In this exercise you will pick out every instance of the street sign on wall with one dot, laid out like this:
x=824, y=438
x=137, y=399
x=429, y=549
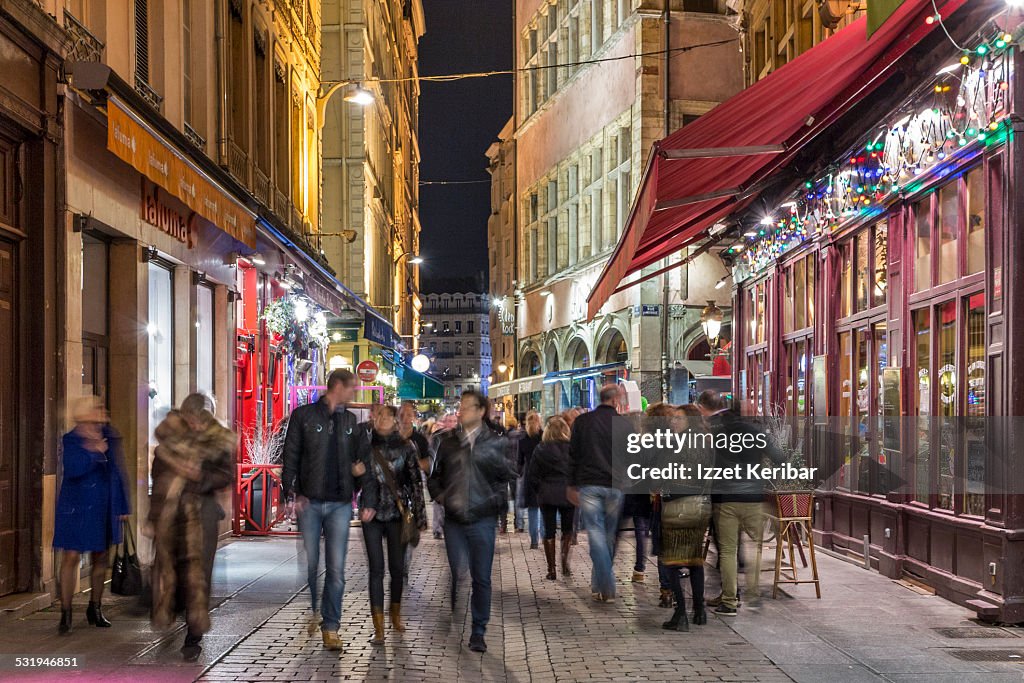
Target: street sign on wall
x=367, y=371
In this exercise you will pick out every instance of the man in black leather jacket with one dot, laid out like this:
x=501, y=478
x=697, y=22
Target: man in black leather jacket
x=323, y=469
x=469, y=478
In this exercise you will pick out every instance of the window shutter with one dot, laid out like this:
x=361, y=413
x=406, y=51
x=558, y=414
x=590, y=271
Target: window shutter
x=142, y=39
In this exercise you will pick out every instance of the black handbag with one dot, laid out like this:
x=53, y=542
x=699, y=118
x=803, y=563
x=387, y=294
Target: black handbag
x=686, y=512
x=410, y=532
x=126, y=577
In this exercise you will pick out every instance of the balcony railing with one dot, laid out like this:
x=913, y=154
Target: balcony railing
x=85, y=47
x=281, y=205
x=145, y=90
x=261, y=186
x=238, y=163
x=195, y=138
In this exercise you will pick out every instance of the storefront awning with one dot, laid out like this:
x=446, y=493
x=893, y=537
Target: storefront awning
x=417, y=386
x=722, y=161
x=524, y=385
x=577, y=373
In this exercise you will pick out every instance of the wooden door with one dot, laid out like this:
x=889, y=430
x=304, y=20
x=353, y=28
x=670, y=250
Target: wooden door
x=8, y=418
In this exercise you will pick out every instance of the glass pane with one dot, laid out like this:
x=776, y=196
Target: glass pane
x=861, y=279
x=975, y=221
x=94, y=286
x=845, y=398
x=760, y=337
x=948, y=399
x=845, y=307
x=160, y=328
x=974, y=498
x=787, y=301
x=810, y=290
x=922, y=245
x=880, y=350
x=790, y=400
x=801, y=378
x=922, y=400
x=949, y=218
x=204, y=340
x=863, y=412
x=881, y=263
x=800, y=295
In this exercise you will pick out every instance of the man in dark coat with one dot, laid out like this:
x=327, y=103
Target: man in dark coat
x=469, y=478
x=323, y=469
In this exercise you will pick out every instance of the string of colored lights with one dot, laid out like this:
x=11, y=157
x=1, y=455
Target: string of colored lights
x=967, y=105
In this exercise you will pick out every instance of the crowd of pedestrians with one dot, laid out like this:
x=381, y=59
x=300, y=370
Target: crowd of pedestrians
x=554, y=476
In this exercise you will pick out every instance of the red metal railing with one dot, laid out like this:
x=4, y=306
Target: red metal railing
x=259, y=508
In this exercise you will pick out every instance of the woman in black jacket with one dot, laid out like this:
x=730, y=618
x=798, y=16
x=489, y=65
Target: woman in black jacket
x=527, y=444
x=548, y=478
x=394, y=487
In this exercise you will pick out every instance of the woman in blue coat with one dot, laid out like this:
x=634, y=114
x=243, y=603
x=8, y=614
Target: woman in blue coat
x=92, y=503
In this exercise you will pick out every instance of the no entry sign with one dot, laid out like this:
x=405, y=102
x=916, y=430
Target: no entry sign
x=367, y=371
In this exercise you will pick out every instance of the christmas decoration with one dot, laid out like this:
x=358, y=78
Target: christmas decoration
x=298, y=323
x=963, y=108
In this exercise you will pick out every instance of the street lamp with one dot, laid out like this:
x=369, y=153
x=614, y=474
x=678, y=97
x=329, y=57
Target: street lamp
x=356, y=95
x=502, y=367
x=415, y=260
x=711, y=322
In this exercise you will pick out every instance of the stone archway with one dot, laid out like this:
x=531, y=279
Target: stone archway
x=529, y=364
x=577, y=354
x=611, y=348
x=551, y=359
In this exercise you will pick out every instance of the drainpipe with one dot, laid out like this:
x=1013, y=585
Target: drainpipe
x=666, y=319
x=222, y=94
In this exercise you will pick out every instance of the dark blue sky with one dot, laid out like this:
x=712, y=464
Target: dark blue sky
x=458, y=121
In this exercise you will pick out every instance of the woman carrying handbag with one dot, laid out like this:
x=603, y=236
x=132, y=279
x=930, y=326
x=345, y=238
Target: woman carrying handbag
x=681, y=520
x=92, y=505
x=394, y=490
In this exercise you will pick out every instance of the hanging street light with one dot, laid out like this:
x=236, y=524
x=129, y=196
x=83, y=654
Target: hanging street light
x=711, y=322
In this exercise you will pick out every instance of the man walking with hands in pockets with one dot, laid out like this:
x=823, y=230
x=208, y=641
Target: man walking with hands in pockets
x=322, y=468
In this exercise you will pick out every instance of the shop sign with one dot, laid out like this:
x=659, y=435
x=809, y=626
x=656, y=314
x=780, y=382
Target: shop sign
x=507, y=317
x=321, y=296
x=345, y=334
x=646, y=310
x=133, y=143
x=366, y=371
x=378, y=331
x=165, y=218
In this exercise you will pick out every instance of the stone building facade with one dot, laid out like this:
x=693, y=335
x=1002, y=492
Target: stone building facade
x=456, y=338
x=577, y=162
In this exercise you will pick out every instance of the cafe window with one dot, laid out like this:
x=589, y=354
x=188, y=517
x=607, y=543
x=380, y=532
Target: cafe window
x=863, y=275
x=950, y=464
x=798, y=297
x=953, y=218
x=757, y=332
x=204, y=339
x=95, y=315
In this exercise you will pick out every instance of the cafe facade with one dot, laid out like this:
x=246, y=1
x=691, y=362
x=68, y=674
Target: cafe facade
x=866, y=197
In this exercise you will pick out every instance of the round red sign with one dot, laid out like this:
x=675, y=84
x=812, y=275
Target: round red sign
x=366, y=371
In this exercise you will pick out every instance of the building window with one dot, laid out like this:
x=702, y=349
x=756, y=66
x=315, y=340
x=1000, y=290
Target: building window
x=470, y=348
x=95, y=315
x=204, y=340
x=469, y=326
x=160, y=331
x=187, y=66
x=458, y=327
x=238, y=85
x=263, y=107
x=551, y=223
x=281, y=112
x=445, y=326
x=458, y=348
x=573, y=214
x=949, y=231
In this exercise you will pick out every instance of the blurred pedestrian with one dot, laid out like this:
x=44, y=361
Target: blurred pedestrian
x=681, y=522
x=436, y=509
x=469, y=478
x=91, y=506
x=590, y=449
x=193, y=462
x=548, y=480
x=323, y=470
x=394, y=490
x=531, y=439
x=737, y=503
x=512, y=434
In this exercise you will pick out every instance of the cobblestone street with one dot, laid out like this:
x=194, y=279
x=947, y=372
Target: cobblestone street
x=865, y=628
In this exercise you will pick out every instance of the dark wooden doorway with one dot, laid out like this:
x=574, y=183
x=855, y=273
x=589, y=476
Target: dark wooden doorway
x=8, y=417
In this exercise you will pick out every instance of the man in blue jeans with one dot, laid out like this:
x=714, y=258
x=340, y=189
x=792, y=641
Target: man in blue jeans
x=590, y=450
x=323, y=470
x=469, y=477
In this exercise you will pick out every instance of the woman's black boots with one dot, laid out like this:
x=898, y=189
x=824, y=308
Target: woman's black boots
x=700, y=617
x=678, y=621
x=94, y=615
x=65, y=622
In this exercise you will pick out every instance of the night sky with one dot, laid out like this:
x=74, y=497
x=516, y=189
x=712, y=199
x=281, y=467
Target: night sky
x=458, y=122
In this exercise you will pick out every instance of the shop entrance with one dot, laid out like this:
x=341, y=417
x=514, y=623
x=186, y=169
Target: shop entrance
x=8, y=419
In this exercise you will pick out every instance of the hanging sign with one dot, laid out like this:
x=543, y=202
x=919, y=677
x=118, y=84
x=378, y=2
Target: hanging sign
x=367, y=371
x=160, y=214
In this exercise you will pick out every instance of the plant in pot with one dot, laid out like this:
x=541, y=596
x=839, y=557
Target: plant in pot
x=793, y=492
x=265, y=447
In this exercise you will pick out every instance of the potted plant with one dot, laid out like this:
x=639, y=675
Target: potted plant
x=792, y=493
x=264, y=447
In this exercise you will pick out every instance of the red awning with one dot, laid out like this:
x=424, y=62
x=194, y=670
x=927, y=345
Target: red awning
x=717, y=164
